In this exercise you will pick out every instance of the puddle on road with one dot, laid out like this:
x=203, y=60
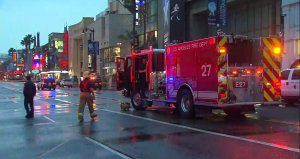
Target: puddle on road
x=142, y=137
x=52, y=108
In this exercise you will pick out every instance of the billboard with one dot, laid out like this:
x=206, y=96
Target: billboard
x=217, y=12
x=36, y=62
x=93, y=47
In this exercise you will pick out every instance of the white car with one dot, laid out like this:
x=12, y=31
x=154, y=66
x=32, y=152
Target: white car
x=290, y=85
x=66, y=82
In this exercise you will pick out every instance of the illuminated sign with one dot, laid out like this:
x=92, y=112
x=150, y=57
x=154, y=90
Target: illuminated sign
x=59, y=45
x=36, y=62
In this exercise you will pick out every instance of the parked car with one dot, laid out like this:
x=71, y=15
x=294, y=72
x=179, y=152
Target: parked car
x=46, y=83
x=66, y=82
x=290, y=85
x=97, y=83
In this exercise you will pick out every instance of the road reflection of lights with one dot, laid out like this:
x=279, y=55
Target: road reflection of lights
x=52, y=106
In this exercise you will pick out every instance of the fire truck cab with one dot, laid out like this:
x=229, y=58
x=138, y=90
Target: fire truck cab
x=232, y=73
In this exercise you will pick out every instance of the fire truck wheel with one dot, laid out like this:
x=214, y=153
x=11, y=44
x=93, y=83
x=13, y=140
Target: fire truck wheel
x=137, y=102
x=185, y=104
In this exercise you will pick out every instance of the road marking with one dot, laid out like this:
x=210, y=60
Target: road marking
x=205, y=131
x=284, y=122
x=107, y=148
x=49, y=119
x=209, y=132
x=54, y=148
x=65, y=101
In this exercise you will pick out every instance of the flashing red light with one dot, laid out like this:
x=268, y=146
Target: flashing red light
x=277, y=85
x=223, y=95
x=248, y=72
x=211, y=41
x=234, y=72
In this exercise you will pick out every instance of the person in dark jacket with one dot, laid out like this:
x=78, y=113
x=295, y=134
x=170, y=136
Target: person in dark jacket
x=29, y=92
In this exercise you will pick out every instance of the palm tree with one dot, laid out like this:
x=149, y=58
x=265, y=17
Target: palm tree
x=11, y=50
x=27, y=41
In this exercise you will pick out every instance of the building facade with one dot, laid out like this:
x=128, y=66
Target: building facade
x=55, y=50
x=78, y=47
x=291, y=16
x=113, y=28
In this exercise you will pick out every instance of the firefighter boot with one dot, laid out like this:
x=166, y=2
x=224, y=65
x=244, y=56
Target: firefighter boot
x=93, y=116
x=80, y=117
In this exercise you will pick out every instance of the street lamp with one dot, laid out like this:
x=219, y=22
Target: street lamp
x=91, y=31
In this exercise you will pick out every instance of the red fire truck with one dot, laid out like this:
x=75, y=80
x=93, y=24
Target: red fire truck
x=232, y=73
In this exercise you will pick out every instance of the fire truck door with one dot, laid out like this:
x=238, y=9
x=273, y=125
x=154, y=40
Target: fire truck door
x=207, y=75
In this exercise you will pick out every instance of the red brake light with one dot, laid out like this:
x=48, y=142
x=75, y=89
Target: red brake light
x=277, y=85
x=248, y=72
x=258, y=72
x=234, y=72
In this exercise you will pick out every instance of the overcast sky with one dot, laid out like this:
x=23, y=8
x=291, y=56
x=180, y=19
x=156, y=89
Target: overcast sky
x=21, y=17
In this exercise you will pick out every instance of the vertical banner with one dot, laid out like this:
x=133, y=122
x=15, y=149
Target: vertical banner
x=174, y=21
x=177, y=21
x=217, y=12
x=222, y=19
x=91, y=49
x=212, y=12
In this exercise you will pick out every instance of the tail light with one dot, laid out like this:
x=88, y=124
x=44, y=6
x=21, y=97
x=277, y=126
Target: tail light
x=277, y=86
x=234, y=72
x=248, y=72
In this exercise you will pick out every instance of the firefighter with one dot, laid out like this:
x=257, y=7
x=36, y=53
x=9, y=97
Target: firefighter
x=86, y=96
x=142, y=77
x=29, y=92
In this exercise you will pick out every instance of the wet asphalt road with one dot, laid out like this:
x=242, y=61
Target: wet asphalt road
x=273, y=132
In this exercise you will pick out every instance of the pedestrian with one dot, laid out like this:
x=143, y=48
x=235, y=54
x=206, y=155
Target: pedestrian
x=29, y=91
x=86, y=96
